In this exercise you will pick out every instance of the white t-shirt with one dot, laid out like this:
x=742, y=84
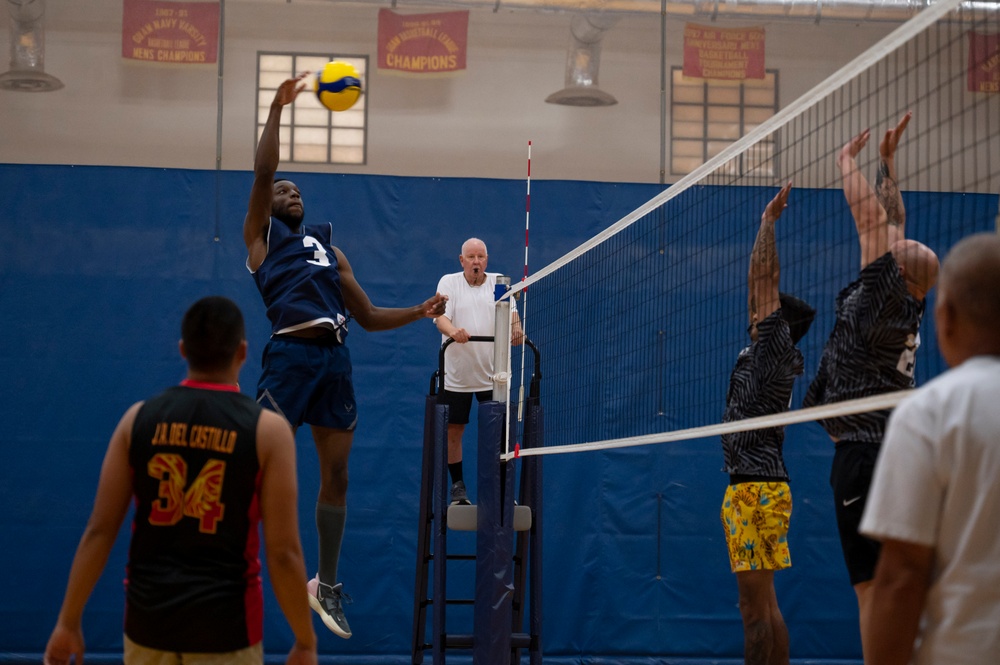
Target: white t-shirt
x=937, y=483
x=468, y=367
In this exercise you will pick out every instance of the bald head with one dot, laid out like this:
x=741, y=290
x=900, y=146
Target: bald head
x=967, y=312
x=919, y=266
x=474, y=244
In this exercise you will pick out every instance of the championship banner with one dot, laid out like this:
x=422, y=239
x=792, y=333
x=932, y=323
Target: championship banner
x=175, y=32
x=984, y=62
x=422, y=43
x=723, y=53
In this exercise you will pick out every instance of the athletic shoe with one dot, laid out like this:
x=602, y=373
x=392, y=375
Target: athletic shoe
x=458, y=495
x=327, y=601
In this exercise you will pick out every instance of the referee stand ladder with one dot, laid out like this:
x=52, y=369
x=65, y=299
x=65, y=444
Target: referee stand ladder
x=508, y=551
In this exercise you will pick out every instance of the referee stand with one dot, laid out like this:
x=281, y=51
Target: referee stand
x=508, y=552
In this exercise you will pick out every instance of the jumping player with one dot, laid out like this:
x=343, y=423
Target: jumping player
x=310, y=292
x=872, y=347
x=757, y=505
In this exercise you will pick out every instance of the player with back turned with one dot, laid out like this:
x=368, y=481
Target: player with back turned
x=204, y=466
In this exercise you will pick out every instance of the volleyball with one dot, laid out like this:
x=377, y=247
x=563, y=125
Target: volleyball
x=337, y=85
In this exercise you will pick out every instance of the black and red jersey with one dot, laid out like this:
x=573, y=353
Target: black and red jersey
x=193, y=582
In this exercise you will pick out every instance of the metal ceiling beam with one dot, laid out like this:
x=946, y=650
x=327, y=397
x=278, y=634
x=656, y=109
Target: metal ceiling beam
x=791, y=10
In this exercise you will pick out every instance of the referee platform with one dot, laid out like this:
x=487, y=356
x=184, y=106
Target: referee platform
x=507, y=556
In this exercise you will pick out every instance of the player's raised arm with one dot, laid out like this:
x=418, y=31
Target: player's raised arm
x=373, y=318
x=764, y=272
x=265, y=165
x=887, y=183
x=869, y=216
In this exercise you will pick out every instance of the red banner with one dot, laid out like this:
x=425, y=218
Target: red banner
x=984, y=62
x=176, y=32
x=723, y=53
x=422, y=43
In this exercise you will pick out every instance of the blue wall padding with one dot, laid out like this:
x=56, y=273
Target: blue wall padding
x=97, y=266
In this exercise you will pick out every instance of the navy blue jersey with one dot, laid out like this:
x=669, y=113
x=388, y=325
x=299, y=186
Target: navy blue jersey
x=871, y=349
x=761, y=385
x=299, y=280
x=193, y=582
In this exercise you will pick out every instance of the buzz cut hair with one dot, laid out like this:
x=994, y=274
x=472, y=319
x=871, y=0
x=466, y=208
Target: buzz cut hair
x=212, y=330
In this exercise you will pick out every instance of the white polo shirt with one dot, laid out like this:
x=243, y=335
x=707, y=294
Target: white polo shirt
x=937, y=483
x=468, y=367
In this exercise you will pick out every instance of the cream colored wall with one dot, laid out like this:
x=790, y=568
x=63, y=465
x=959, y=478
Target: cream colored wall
x=118, y=112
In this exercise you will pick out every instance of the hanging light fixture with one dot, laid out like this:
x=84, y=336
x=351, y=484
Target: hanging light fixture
x=583, y=61
x=27, y=49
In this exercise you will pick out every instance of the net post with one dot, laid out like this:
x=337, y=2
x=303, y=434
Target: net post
x=501, y=340
x=531, y=479
x=492, y=613
x=528, y=546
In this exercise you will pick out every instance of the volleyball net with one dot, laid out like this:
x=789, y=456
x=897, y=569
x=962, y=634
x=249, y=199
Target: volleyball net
x=639, y=327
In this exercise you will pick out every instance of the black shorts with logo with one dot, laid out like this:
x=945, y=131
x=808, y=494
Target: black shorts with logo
x=850, y=478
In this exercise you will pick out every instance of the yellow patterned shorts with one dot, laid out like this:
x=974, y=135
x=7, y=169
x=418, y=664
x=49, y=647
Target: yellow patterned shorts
x=755, y=516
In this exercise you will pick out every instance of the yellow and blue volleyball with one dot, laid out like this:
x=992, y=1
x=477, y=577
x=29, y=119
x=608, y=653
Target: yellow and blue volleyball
x=337, y=85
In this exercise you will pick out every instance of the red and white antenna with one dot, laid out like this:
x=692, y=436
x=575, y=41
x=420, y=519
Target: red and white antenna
x=524, y=292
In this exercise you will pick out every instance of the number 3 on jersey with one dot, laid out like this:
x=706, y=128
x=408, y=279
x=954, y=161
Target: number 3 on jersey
x=320, y=257
x=201, y=500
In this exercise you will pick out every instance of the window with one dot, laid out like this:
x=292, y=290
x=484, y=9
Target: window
x=309, y=133
x=706, y=116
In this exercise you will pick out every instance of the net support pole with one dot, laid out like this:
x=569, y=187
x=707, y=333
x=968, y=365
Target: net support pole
x=501, y=340
x=501, y=350
x=492, y=612
x=531, y=495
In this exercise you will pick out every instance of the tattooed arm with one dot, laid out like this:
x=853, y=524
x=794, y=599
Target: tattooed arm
x=762, y=278
x=886, y=184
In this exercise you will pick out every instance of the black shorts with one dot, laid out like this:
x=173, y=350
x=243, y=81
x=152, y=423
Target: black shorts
x=460, y=404
x=850, y=478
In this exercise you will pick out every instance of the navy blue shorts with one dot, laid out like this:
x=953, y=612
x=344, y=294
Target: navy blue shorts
x=460, y=404
x=308, y=381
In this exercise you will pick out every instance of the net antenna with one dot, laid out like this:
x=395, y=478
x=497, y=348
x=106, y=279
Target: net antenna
x=641, y=323
x=524, y=296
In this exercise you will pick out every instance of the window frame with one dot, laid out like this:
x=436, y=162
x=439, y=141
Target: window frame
x=706, y=105
x=330, y=128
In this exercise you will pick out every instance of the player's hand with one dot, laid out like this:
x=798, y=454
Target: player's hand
x=887, y=148
x=434, y=307
x=854, y=146
x=461, y=335
x=65, y=646
x=778, y=204
x=290, y=89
